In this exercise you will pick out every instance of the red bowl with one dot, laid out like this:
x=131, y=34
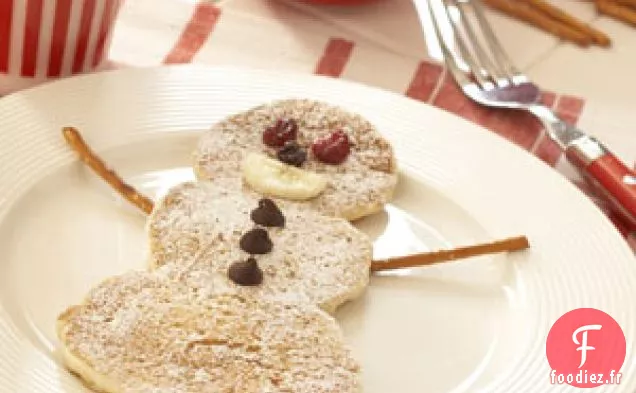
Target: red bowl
x=339, y=2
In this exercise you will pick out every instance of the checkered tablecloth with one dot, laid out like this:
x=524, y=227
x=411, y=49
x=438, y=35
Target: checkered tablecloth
x=295, y=36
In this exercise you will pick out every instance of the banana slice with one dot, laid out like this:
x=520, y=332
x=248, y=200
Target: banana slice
x=272, y=177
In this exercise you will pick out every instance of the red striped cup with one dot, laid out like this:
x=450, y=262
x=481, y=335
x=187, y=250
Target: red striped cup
x=41, y=40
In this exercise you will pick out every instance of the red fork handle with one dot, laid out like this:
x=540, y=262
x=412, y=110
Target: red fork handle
x=612, y=179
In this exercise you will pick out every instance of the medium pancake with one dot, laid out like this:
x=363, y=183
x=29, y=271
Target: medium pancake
x=356, y=188
x=321, y=259
x=143, y=332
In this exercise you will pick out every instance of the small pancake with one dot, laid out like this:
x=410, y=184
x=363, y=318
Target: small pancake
x=356, y=188
x=141, y=332
x=324, y=260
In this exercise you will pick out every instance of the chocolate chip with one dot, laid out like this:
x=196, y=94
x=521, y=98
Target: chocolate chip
x=246, y=273
x=292, y=154
x=268, y=214
x=256, y=241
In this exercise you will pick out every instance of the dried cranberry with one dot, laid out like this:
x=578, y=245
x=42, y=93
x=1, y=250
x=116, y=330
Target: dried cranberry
x=292, y=154
x=333, y=149
x=282, y=131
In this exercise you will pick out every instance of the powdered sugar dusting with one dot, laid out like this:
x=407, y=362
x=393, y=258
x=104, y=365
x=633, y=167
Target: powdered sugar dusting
x=357, y=187
x=146, y=332
x=321, y=259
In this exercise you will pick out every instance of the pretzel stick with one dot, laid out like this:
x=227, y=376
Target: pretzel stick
x=631, y=3
x=431, y=258
x=538, y=19
x=615, y=10
x=556, y=13
x=75, y=140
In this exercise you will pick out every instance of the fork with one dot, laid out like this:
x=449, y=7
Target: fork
x=487, y=76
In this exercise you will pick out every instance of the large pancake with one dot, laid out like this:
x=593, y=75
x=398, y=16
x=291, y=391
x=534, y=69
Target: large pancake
x=143, y=332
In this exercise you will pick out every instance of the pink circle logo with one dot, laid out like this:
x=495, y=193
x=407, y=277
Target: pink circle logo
x=586, y=348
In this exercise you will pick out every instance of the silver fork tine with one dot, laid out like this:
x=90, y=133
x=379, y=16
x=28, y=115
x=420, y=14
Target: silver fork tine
x=501, y=56
x=494, y=70
x=450, y=58
x=479, y=72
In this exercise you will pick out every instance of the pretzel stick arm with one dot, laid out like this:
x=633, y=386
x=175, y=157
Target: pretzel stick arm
x=77, y=143
x=431, y=258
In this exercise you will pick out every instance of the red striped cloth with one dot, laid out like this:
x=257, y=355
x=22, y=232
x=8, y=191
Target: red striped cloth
x=195, y=33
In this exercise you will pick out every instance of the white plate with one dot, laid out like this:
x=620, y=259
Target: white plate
x=475, y=325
